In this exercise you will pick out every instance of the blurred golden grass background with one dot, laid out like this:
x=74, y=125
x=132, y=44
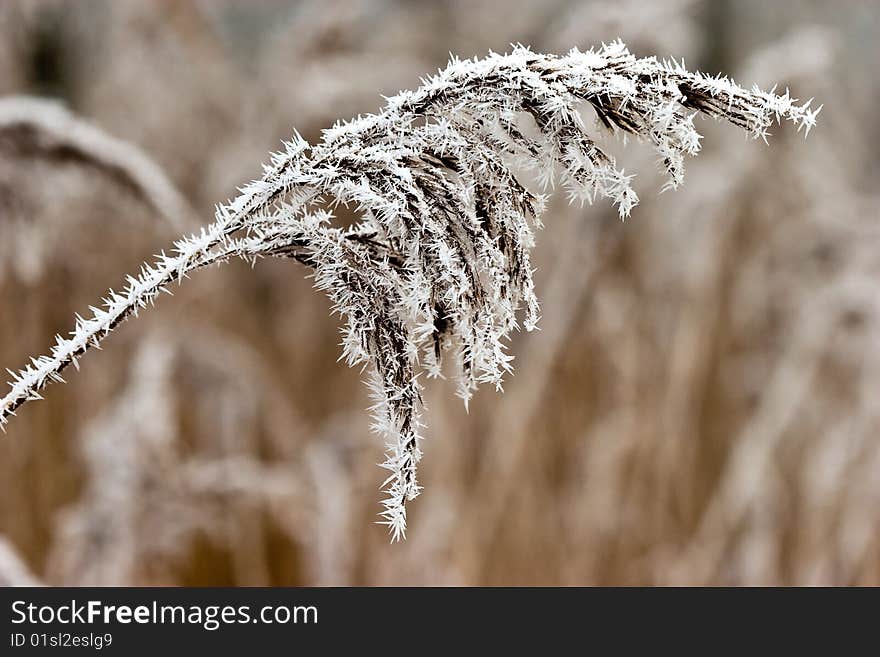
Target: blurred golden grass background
x=701, y=406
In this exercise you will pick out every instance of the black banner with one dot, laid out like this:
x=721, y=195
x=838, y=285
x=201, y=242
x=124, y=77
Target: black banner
x=143, y=620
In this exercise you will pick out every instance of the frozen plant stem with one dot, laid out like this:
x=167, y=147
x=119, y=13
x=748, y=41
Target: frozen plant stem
x=42, y=128
x=439, y=259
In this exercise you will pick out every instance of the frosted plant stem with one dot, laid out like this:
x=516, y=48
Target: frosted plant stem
x=439, y=261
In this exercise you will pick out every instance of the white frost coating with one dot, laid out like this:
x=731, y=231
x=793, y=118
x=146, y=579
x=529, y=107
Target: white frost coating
x=439, y=261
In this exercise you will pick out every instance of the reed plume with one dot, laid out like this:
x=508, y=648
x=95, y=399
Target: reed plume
x=438, y=261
